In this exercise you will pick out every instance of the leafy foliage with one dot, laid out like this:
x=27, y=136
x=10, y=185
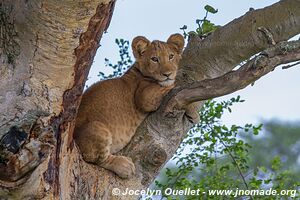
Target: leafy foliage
x=214, y=156
x=283, y=142
x=205, y=26
x=122, y=65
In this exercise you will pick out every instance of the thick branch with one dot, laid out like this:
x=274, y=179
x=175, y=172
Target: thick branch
x=257, y=67
x=238, y=40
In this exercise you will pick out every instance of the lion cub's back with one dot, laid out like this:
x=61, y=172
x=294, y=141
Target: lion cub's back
x=110, y=101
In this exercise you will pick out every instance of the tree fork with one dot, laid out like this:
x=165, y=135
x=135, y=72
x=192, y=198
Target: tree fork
x=55, y=74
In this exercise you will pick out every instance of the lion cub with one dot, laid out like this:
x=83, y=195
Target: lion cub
x=111, y=110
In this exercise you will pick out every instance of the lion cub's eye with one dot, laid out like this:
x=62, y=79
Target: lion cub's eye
x=171, y=56
x=154, y=59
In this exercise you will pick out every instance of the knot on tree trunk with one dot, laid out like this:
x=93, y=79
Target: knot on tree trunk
x=153, y=156
x=24, y=146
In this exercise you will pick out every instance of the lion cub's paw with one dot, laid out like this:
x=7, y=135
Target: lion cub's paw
x=122, y=166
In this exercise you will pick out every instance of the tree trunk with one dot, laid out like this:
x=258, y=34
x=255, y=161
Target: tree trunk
x=47, y=48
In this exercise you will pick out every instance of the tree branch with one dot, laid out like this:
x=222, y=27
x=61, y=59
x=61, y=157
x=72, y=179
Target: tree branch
x=267, y=61
x=238, y=40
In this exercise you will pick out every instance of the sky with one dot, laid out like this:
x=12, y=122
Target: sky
x=275, y=96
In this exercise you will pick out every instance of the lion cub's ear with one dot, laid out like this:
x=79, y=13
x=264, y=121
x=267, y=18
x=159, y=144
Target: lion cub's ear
x=177, y=42
x=139, y=45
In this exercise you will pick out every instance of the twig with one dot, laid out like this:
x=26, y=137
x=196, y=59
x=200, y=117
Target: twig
x=234, y=160
x=236, y=165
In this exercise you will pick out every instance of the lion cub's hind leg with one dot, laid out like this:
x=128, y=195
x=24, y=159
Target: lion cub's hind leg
x=95, y=141
x=121, y=165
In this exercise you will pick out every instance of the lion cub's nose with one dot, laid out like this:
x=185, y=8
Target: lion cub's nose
x=167, y=74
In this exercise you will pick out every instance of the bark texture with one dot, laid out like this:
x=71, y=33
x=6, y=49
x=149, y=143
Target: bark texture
x=47, y=48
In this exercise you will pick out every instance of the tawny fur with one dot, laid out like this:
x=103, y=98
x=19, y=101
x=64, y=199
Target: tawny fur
x=111, y=110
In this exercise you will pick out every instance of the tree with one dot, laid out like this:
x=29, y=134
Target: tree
x=46, y=52
x=214, y=156
x=283, y=141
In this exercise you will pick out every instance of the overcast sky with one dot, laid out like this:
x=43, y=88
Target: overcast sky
x=275, y=96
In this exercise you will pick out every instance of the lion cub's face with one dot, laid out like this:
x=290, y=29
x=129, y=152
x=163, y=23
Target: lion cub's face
x=158, y=60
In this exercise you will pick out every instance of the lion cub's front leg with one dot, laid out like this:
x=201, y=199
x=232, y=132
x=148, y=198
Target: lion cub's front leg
x=149, y=95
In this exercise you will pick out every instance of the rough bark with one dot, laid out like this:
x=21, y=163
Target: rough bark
x=47, y=48
x=239, y=40
x=45, y=58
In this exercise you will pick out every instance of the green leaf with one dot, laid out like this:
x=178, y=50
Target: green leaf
x=267, y=181
x=184, y=27
x=276, y=163
x=199, y=31
x=208, y=27
x=263, y=169
x=210, y=9
x=229, y=109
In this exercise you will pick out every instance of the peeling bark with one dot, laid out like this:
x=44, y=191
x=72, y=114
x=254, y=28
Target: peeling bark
x=45, y=57
x=41, y=84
